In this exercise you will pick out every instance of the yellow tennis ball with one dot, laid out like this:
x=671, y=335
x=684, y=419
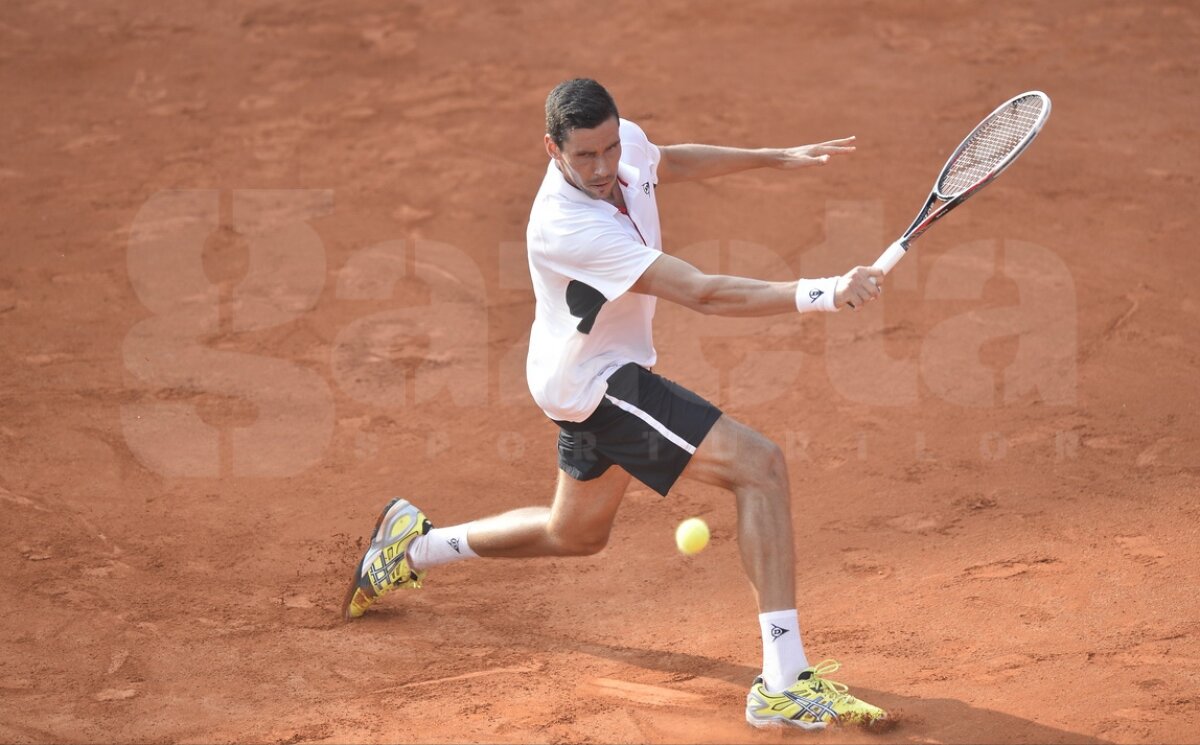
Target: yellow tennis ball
x=691, y=536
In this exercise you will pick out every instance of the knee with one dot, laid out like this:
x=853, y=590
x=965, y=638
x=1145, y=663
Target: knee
x=580, y=541
x=764, y=465
x=776, y=464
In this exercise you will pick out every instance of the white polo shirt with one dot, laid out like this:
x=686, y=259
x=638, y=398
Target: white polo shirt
x=584, y=255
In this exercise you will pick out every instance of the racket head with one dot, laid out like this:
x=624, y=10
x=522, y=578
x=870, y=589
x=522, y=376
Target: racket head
x=993, y=145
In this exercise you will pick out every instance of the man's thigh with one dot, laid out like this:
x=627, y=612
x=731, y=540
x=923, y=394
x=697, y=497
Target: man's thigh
x=587, y=506
x=730, y=449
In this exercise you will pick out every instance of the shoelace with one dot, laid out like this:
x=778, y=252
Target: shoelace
x=837, y=691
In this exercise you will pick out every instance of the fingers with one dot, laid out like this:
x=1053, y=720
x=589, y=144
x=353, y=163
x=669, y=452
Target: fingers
x=827, y=150
x=844, y=145
x=815, y=155
x=861, y=285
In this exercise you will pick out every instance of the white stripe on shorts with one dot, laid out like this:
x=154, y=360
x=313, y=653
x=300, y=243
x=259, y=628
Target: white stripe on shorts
x=659, y=426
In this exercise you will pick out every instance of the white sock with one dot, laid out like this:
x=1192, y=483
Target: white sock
x=440, y=546
x=783, y=652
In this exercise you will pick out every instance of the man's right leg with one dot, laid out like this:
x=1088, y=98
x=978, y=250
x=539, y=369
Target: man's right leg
x=576, y=524
x=404, y=546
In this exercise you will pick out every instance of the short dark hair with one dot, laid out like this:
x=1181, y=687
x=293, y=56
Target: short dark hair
x=581, y=103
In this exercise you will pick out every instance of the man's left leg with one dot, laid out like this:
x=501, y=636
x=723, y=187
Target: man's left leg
x=790, y=691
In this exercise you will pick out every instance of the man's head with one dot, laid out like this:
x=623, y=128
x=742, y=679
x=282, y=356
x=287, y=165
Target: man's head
x=582, y=135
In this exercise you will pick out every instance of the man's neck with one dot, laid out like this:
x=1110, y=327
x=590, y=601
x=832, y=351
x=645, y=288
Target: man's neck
x=615, y=197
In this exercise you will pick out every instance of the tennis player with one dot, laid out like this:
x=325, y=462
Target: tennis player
x=595, y=255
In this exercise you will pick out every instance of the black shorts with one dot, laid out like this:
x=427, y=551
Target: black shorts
x=646, y=424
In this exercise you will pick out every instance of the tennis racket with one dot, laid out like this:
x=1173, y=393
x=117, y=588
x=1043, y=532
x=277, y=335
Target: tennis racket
x=983, y=155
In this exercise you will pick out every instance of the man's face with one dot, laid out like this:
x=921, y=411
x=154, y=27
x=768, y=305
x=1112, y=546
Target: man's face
x=588, y=158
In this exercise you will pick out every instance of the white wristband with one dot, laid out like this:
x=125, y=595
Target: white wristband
x=816, y=294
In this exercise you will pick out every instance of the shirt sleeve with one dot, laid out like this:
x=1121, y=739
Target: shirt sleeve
x=632, y=135
x=599, y=255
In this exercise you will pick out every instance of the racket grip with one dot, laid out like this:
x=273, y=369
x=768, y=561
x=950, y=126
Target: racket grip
x=891, y=256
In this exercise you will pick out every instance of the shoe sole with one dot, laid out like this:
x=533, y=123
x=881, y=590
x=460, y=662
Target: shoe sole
x=780, y=723
x=881, y=722
x=358, y=569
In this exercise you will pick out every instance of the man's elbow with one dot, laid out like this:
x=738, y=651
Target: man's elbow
x=706, y=297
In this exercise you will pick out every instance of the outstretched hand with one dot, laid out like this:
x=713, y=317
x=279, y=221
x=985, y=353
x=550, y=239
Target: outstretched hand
x=813, y=155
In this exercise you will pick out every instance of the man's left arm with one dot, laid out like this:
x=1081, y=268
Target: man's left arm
x=694, y=162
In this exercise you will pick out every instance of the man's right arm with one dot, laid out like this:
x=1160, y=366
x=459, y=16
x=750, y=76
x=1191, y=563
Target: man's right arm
x=677, y=281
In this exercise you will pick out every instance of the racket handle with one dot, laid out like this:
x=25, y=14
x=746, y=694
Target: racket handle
x=891, y=256
x=888, y=259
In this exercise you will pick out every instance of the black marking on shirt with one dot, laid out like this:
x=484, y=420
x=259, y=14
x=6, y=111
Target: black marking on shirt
x=584, y=302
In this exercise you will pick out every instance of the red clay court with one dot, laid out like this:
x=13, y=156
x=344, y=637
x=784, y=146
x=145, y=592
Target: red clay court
x=996, y=468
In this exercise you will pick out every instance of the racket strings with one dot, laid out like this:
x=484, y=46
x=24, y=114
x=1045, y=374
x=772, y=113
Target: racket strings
x=991, y=145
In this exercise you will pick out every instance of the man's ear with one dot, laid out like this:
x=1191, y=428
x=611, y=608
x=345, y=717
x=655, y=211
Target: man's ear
x=552, y=149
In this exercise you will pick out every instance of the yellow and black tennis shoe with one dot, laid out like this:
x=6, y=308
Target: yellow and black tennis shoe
x=384, y=566
x=812, y=702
